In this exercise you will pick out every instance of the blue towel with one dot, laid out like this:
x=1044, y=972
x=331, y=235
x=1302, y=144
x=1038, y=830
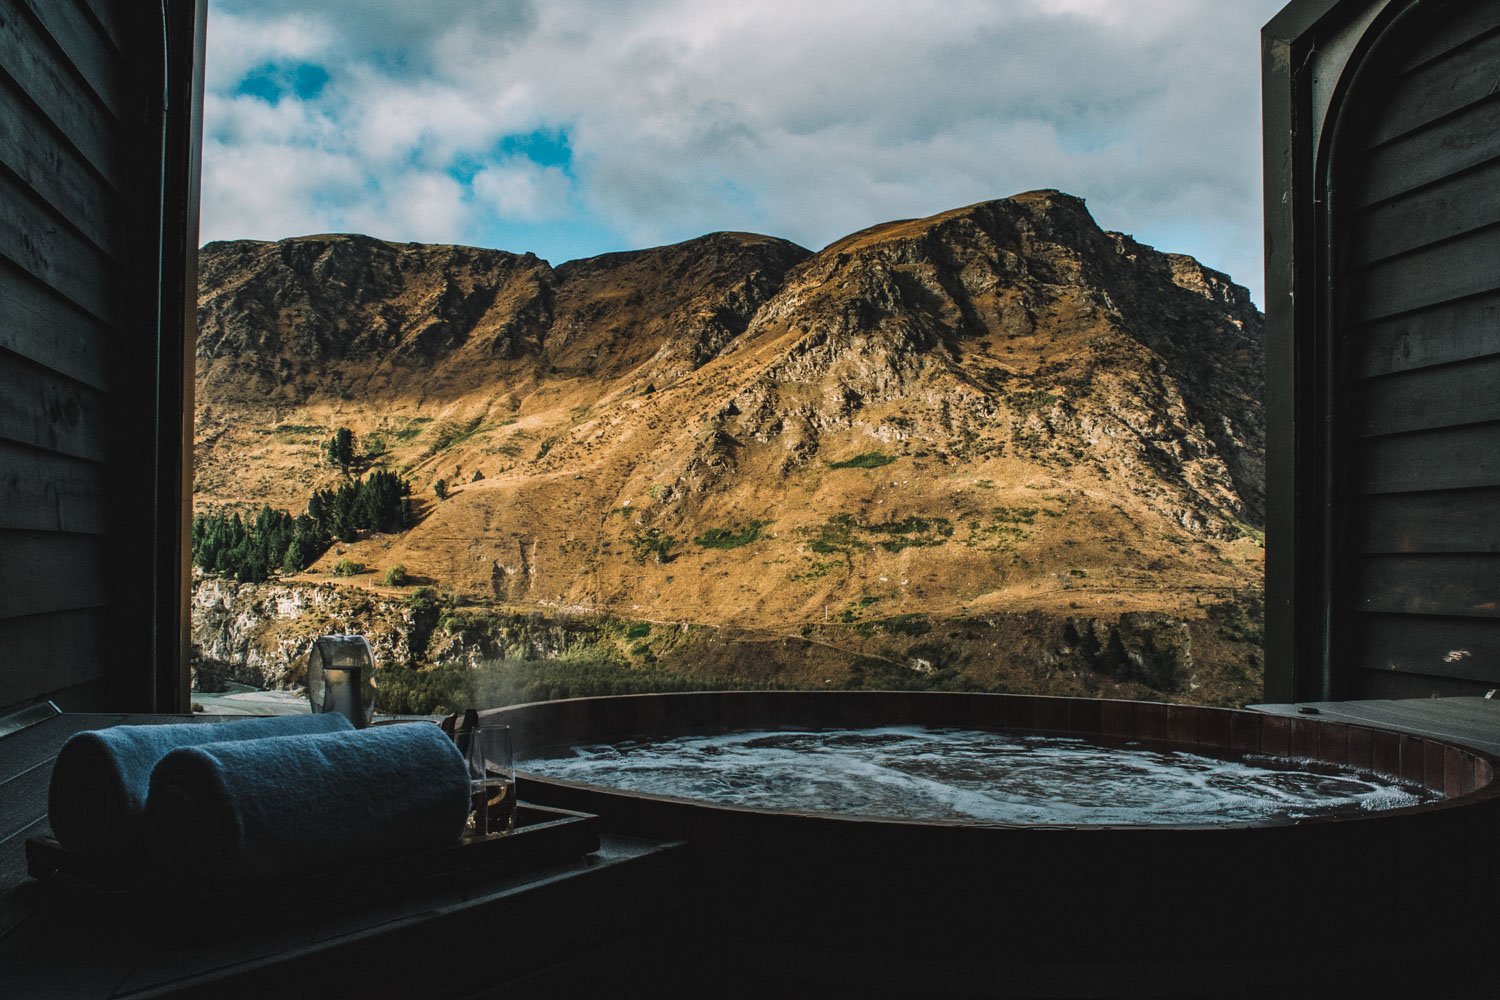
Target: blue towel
x=98, y=790
x=229, y=812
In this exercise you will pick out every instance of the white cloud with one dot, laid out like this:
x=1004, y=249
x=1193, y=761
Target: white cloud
x=420, y=206
x=520, y=189
x=801, y=120
x=237, y=43
x=273, y=191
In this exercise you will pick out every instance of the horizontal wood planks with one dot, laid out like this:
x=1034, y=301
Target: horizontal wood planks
x=1462, y=648
x=1452, y=458
x=52, y=571
x=1454, y=331
x=41, y=490
x=89, y=353
x=40, y=743
x=107, y=14
x=1430, y=521
x=1457, y=79
x=31, y=58
x=1459, y=24
x=1431, y=398
x=1426, y=156
x=50, y=653
x=43, y=161
x=1419, y=219
x=26, y=798
x=1416, y=247
x=26, y=762
x=92, y=55
x=80, y=187
x=47, y=410
x=1370, y=683
x=37, y=241
x=1443, y=272
x=1448, y=584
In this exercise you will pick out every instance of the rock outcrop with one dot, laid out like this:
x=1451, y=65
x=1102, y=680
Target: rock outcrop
x=260, y=634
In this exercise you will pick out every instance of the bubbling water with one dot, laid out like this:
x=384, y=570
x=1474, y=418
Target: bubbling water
x=914, y=773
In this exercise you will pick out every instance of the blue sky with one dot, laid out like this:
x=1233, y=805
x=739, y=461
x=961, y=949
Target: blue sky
x=571, y=128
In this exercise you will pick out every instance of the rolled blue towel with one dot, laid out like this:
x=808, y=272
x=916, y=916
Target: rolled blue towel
x=98, y=790
x=228, y=812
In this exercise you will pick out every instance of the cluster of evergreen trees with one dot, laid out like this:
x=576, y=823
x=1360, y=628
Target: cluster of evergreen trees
x=380, y=501
x=251, y=549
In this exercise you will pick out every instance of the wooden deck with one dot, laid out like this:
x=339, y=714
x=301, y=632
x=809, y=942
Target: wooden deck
x=573, y=928
x=1468, y=722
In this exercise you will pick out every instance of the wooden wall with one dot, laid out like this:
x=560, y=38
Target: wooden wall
x=1414, y=258
x=98, y=223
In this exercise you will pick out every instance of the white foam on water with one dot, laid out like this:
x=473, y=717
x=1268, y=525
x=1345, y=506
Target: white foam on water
x=930, y=774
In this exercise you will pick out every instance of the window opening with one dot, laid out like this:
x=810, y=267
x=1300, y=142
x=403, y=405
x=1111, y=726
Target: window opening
x=473, y=381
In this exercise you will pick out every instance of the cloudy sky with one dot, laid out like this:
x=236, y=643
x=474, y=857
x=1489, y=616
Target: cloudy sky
x=576, y=127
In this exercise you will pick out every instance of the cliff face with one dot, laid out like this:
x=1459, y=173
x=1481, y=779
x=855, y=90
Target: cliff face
x=1002, y=408
x=260, y=634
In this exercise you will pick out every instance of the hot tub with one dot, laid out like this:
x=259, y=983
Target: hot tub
x=865, y=906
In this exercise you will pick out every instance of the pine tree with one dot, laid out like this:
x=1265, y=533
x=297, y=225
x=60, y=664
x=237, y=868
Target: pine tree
x=345, y=526
x=320, y=509
x=308, y=541
x=340, y=449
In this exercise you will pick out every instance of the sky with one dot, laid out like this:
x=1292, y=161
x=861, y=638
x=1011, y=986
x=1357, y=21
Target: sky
x=571, y=128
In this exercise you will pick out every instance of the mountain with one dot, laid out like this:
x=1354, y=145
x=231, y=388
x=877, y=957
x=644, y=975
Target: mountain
x=1001, y=409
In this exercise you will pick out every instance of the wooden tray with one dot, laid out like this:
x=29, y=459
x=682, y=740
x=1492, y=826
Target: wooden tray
x=543, y=835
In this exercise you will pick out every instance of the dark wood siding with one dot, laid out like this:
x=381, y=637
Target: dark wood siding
x=1414, y=196
x=91, y=341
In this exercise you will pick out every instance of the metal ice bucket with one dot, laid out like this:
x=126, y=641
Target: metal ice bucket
x=341, y=677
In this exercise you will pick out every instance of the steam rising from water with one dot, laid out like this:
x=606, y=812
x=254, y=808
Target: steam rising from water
x=927, y=774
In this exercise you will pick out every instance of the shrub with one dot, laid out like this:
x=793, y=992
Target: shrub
x=440, y=689
x=869, y=460
x=638, y=631
x=441, y=489
x=423, y=599
x=913, y=624
x=1038, y=401
x=835, y=535
x=652, y=544
x=911, y=525
x=449, y=433
x=448, y=687
x=513, y=680
x=730, y=538
x=396, y=576
x=348, y=567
